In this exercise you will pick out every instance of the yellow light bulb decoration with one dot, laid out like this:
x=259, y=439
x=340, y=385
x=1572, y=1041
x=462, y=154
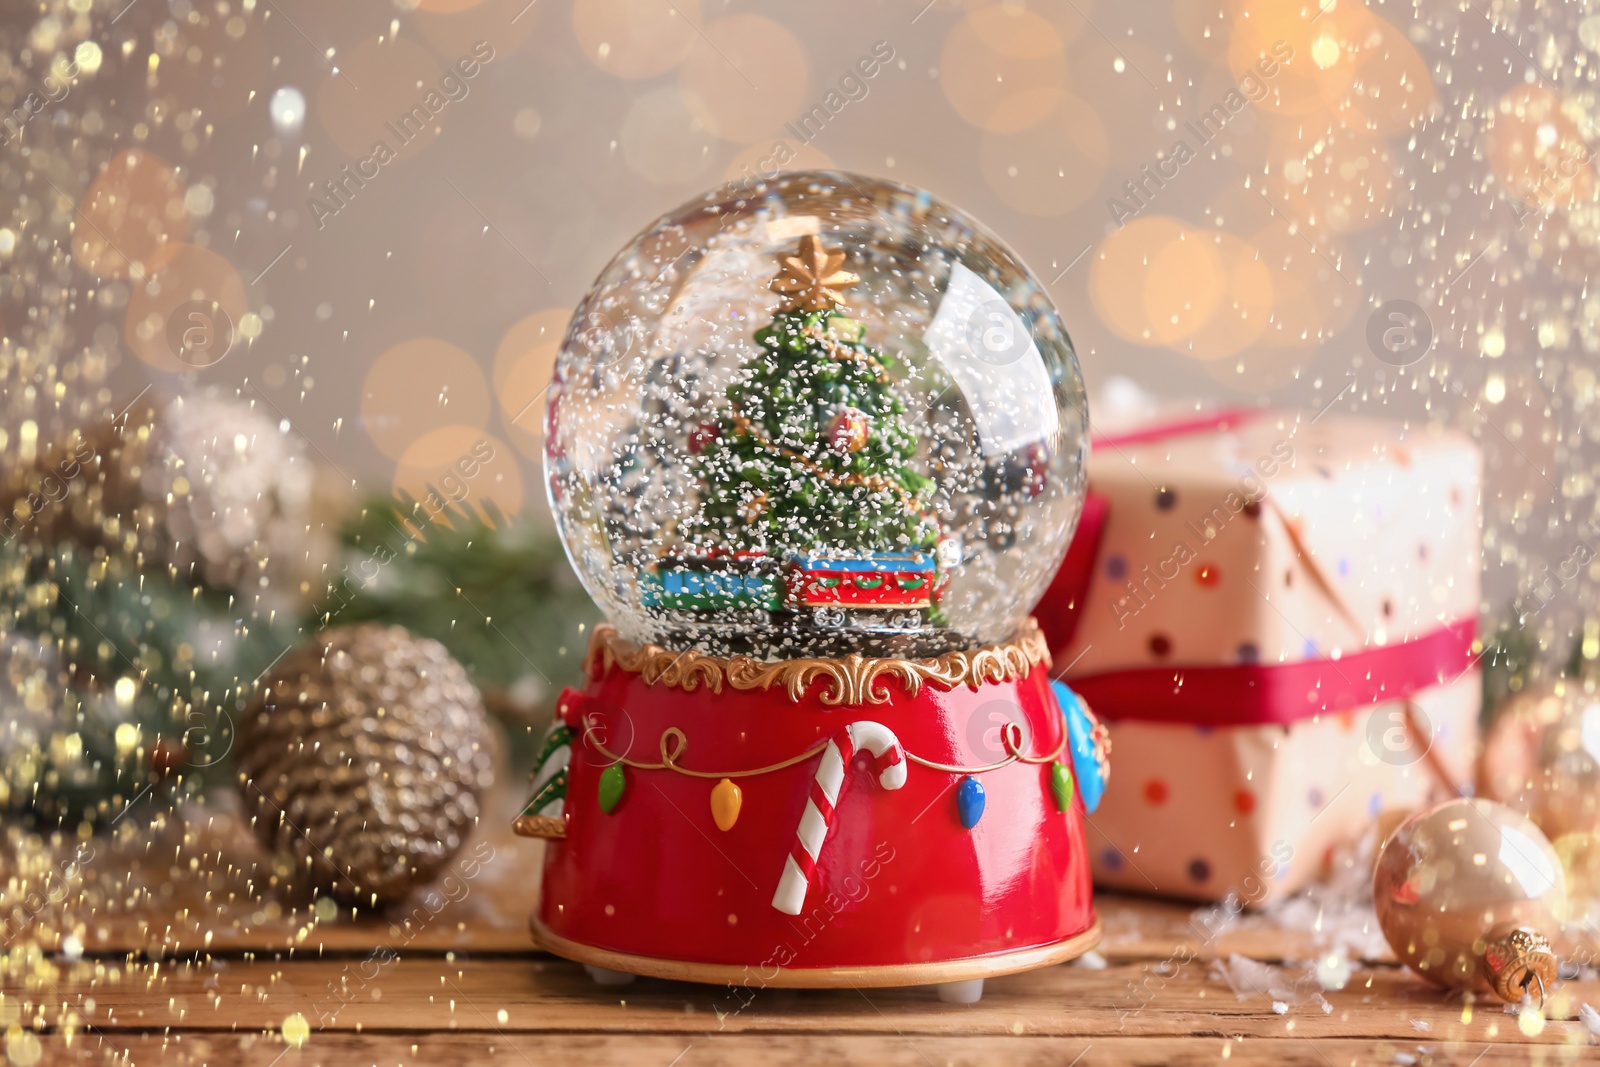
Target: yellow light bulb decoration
x=726, y=800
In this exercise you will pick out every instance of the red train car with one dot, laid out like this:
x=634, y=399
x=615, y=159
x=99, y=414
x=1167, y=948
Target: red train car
x=894, y=588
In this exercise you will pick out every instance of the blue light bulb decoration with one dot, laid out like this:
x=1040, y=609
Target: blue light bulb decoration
x=1088, y=744
x=969, y=801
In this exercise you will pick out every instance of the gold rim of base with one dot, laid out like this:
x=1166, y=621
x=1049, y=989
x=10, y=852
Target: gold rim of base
x=848, y=680
x=899, y=974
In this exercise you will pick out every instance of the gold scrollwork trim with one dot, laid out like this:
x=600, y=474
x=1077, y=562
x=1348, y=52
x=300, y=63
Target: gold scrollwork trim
x=548, y=827
x=848, y=681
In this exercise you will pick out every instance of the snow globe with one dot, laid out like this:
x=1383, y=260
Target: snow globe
x=816, y=446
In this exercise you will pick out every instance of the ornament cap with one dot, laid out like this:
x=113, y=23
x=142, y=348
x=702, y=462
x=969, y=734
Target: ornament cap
x=1517, y=961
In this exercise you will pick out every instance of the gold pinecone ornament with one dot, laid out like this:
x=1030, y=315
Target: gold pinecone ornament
x=362, y=755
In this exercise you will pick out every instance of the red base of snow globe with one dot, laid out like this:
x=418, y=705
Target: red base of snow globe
x=812, y=822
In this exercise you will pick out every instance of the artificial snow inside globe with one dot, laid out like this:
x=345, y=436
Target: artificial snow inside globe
x=817, y=446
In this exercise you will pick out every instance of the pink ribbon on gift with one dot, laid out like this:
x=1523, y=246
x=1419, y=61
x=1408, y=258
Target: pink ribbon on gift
x=1215, y=422
x=1241, y=694
x=1252, y=694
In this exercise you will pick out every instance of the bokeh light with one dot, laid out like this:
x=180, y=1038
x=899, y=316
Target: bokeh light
x=523, y=364
x=1119, y=274
x=1051, y=168
x=663, y=140
x=287, y=106
x=1244, y=305
x=465, y=464
x=1185, y=283
x=533, y=338
x=745, y=77
x=132, y=209
x=1303, y=55
x=1391, y=88
x=384, y=94
x=177, y=275
x=636, y=38
x=1003, y=68
x=503, y=25
x=1537, y=150
x=419, y=386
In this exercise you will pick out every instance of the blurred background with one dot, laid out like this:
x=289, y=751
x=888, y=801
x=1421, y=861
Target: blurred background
x=274, y=271
x=386, y=209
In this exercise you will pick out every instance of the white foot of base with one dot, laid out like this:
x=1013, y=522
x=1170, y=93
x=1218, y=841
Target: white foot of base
x=607, y=977
x=968, y=992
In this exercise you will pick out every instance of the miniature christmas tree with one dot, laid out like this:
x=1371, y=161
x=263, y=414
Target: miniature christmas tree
x=814, y=456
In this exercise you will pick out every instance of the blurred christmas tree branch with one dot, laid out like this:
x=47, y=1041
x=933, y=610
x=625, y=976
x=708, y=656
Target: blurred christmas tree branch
x=496, y=592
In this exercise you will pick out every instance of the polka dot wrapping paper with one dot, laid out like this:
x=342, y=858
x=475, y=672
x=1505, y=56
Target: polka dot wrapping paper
x=1278, y=626
x=1260, y=811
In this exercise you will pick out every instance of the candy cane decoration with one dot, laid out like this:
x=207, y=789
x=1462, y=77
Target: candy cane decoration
x=889, y=760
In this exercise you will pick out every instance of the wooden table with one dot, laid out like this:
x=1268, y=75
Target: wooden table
x=180, y=943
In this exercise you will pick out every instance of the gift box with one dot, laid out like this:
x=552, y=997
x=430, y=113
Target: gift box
x=1276, y=615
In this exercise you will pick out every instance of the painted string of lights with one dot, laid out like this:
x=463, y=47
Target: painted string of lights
x=543, y=816
x=890, y=760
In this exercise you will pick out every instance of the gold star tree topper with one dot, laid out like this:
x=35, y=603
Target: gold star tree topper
x=811, y=279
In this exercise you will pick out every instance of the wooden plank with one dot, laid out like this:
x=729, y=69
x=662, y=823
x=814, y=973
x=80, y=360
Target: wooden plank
x=542, y=996
x=1145, y=928
x=732, y=1050
x=198, y=882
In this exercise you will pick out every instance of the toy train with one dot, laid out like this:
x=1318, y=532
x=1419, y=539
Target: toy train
x=886, y=591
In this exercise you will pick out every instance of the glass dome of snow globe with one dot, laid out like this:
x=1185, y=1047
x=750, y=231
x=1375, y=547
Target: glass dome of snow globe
x=816, y=415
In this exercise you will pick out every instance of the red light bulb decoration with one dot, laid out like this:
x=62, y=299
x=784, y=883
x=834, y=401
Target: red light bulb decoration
x=849, y=430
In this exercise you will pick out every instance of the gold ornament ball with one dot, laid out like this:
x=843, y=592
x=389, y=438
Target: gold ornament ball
x=1467, y=894
x=1541, y=756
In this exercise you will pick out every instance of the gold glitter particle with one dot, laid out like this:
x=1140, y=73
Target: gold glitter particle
x=22, y=1047
x=88, y=57
x=296, y=1031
